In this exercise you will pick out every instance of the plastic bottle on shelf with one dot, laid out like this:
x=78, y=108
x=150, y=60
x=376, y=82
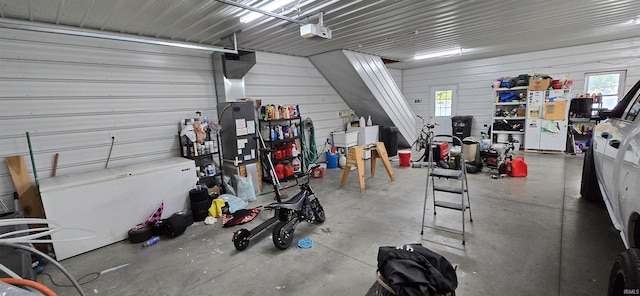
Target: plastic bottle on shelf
x=151, y=241
x=210, y=170
x=294, y=150
x=280, y=135
x=297, y=168
x=369, y=122
x=273, y=134
x=362, y=122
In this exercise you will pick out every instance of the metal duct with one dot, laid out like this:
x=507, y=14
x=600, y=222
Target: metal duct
x=366, y=85
x=229, y=71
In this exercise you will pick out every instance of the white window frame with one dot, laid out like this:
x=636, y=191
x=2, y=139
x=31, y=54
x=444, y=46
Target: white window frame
x=621, y=84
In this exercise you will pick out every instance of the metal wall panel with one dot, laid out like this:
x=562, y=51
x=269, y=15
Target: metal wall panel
x=474, y=78
x=366, y=85
x=287, y=80
x=72, y=94
x=396, y=74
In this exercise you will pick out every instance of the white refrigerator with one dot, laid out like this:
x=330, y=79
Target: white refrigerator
x=547, y=119
x=535, y=101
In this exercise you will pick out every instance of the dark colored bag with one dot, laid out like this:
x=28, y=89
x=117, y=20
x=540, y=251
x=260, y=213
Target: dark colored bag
x=413, y=270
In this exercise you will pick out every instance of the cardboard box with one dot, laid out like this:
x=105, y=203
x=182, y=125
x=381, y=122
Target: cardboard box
x=539, y=84
x=555, y=110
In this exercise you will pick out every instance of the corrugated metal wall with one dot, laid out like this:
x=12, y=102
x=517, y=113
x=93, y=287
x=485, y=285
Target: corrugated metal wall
x=474, y=78
x=287, y=80
x=396, y=74
x=72, y=94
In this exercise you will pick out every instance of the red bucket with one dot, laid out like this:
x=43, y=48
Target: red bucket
x=517, y=167
x=405, y=158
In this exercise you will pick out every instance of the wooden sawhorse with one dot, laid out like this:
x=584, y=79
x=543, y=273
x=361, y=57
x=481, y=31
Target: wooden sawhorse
x=355, y=157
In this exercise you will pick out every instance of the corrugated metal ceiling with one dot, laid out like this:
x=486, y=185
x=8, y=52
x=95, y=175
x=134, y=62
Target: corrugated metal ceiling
x=395, y=30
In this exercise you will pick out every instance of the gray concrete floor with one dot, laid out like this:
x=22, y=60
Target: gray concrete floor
x=530, y=236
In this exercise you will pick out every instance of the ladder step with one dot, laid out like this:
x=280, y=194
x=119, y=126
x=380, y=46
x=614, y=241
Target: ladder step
x=448, y=189
x=450, y=205
x=446, y=173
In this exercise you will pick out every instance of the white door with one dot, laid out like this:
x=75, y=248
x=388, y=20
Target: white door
x=443, y=100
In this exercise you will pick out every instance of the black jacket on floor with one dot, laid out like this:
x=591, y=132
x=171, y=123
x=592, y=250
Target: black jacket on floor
x=413, y=270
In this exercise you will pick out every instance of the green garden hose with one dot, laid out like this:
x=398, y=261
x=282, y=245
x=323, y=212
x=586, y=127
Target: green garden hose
x=309, y=150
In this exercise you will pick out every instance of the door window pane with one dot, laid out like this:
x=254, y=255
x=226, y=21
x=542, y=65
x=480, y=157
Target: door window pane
x=443, y=102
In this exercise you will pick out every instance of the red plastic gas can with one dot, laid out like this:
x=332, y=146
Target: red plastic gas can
x=279, y=168
x=517, y=167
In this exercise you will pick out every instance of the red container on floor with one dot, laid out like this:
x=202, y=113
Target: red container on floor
x=517, y=167
x=317, y=173
x=405, y=158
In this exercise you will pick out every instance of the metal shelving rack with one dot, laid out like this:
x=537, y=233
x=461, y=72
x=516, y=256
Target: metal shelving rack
x=272, y=145
x=203, y=160
x=521, y=91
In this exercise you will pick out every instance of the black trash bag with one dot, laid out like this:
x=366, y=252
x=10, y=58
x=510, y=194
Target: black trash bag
x=413, y=270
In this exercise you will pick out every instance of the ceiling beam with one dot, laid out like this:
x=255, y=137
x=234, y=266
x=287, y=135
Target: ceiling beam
x=65, y=30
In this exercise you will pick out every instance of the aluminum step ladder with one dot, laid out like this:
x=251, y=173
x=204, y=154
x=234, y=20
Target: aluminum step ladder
x=458, y=176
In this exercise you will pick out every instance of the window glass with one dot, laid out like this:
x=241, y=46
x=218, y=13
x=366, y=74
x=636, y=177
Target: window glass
x=610, y=84
x=633, y=110
x=443, y=102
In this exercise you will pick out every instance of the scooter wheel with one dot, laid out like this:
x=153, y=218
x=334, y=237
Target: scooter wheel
x=318, y=211
x=241, y=239
x=282, y=238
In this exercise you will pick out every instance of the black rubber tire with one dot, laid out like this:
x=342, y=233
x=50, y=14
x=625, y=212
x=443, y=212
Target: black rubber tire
x=625, y=274
x=200, y=215
x=157, y=229
x=318, y=211
x=241, y=239
x=174, y=226
x=198, y=195
x=187, y=215
x=502, y=169
x=282, y=239
x=589, y=187
x=140, y=235
x=201, y=205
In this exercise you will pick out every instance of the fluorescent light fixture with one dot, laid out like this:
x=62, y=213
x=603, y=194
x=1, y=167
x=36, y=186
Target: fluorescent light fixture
x=269, y=7
x=457, y=51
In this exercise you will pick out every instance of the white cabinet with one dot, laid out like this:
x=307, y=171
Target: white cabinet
x=508, y=121
x=547, y=120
